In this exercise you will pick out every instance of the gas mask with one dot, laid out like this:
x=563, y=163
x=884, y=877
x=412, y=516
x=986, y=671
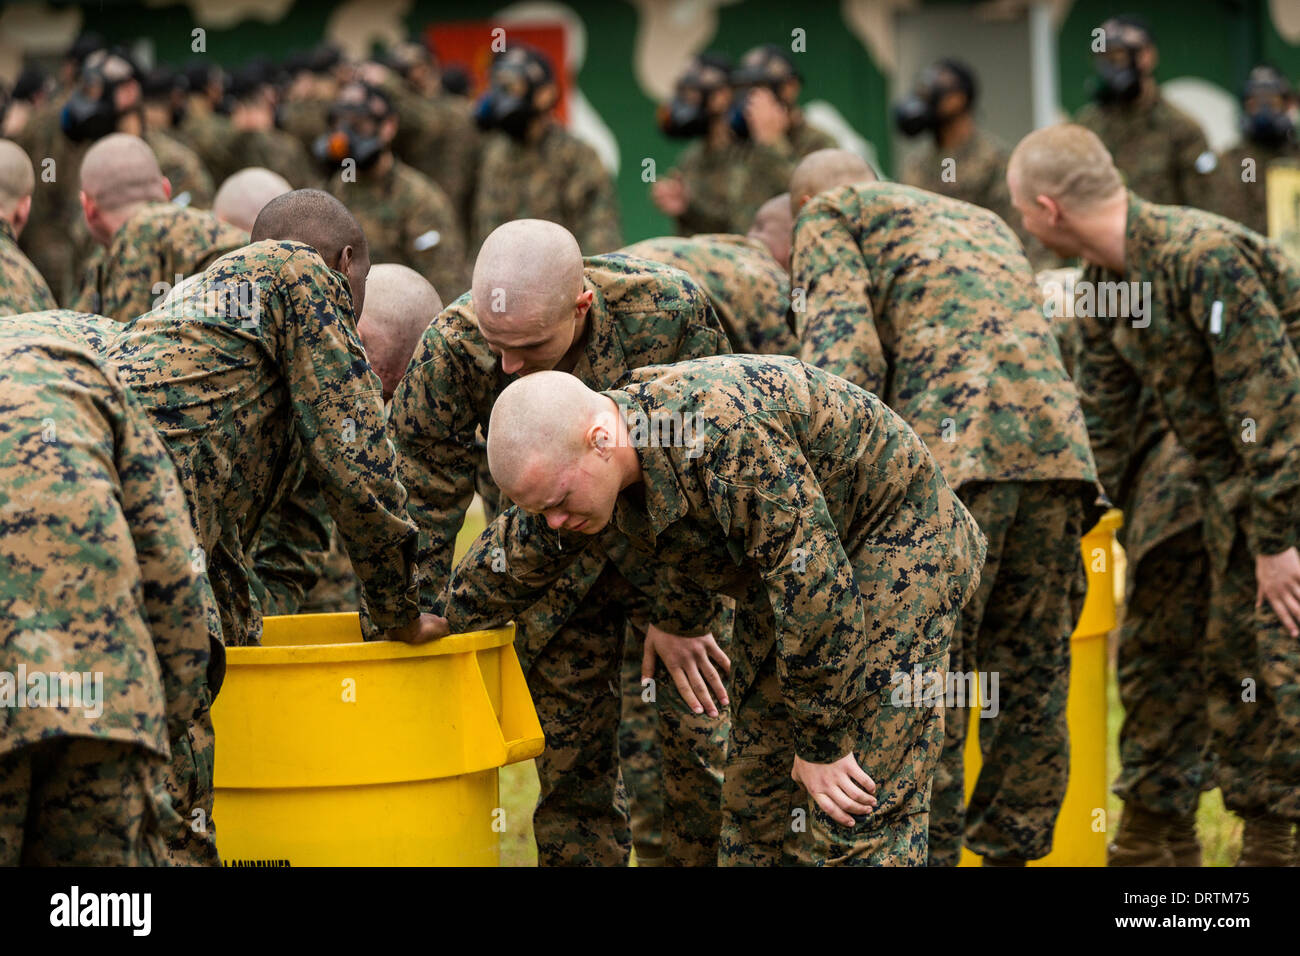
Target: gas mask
x=1118, y=81
x=508, y=105
x=764, y=66
x=918, y=112
x=1267, y=127
x=1265, y=119
x=91, y=111
x=348, y=137
x=686, y=115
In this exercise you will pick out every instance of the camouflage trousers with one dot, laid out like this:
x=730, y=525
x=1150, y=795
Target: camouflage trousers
x=582, y=810
x=1253, y=674
x=1017, y=627
x=193, y=842
x=1164, y=739
x=768, y=818
x=80, y=801
x=641, y=754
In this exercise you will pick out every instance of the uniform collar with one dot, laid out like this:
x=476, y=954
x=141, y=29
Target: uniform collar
x=602, y=361
x=7, y=231
x=661, y=502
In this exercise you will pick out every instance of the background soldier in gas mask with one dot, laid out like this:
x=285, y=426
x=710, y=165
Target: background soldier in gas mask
x=1160, y=150
x=961, y=161
x=533, y=168
x=1268, y=103
x=406, y=217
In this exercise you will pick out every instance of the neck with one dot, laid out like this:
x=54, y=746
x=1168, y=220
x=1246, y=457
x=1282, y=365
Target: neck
x=956, y=132
x=570, y=358
x=624, y=455
x=719, y=132
x=537, y=128
x=118, y=218
x=1106, y=228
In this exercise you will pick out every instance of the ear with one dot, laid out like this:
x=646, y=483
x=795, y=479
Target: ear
x=546, y=97
x=167, y=187
x=585, y=299
x=345, y=260
x=21, y=213
x=88, y=207
x=389, y=129
x=1050, y=207
x=599, y=440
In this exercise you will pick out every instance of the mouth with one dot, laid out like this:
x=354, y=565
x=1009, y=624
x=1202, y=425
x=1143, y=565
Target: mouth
x=579, y=526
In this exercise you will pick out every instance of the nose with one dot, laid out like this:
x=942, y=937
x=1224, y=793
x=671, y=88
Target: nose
x=556, y=520
x=510, y=364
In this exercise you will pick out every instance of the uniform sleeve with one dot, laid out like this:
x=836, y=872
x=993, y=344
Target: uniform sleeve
x=432, y=426
x=508, y=568
x=178, y=603
x=1257, y=380
x=435, y=247
x=838, y=332
x=339, y=417
x=769, y=504
x=705, y=335
x=1109, y=393
x=1191, y=153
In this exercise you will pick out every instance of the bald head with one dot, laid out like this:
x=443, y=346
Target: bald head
x=774, y=227
x=528, y=271
x=538, y=429
x=121, y=170
x=825, y=169
x=17, y=180
x=243, y=195
x=316, y=218
x=1066, y=163
x=400, y=303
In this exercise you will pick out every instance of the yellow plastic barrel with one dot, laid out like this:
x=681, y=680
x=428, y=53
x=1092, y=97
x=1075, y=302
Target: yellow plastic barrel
x=332, y=751
x=1080, y=835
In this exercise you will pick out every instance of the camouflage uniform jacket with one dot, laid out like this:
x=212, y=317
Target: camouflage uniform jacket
x=156, y=248
x=22, y=287
x=93, y=332
x=1231, y=194
x=407, y=219
x=931, y=304
x=725, y=185
x=1160, y=149
x=643, y=313
x=256, y=359
x=272, y=149
x=979, y=176
x=798, y=491
x=559, y=178
x=437, y=137
x=191, y=182
x=1216, y=352
x=95, y=553
x=746, y=287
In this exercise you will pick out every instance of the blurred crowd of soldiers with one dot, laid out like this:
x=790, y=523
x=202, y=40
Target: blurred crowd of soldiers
x=254, y=402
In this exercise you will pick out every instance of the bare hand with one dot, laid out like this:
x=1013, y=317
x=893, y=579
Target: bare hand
x=425, y=628
x=841, y=788
x=669, y=194
x=687, y=660
x=768, y=119
x=1277, y=578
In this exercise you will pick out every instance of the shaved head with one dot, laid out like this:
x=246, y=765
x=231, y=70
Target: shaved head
x=17, y=178
x=243, y=195
x=537, y=427
x=400, y=304
x=1065, y=162
x=825, y=169
x=120, y=170
x=316, y=218
x=527, y=270
x=529, y=294
x=774, y=227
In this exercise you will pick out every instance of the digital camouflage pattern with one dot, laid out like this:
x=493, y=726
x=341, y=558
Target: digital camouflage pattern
x=407, y=219
x=437, y=137
x=92, y=331
x=976, y=174
x=822, y=514
x=272, y=149
x=1217, y=355
x=157, y=247
x=1239, y=189
x=1018, y=626
x=746, y=287
x=22, y=287
x=256, y=354
x=570, y=643
x=1161, y=151
x=559, y=178
x=93, y=491
x=930, y=303
x=725, y=185
x=1164, y=754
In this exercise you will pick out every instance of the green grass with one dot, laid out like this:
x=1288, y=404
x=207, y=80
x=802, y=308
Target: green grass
x=1220, y=831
